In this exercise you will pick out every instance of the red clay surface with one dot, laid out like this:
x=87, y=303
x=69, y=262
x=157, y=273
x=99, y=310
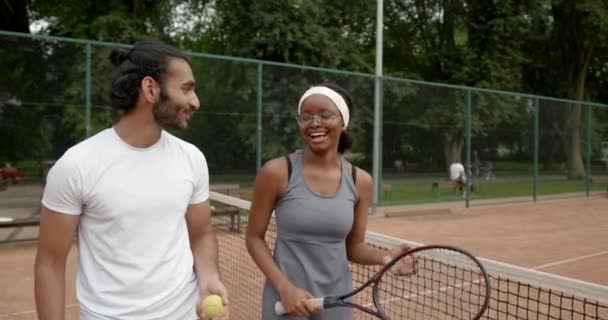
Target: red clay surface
x=564, y=237
x=17, y=282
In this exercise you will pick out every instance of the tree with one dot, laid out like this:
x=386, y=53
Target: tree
x=42, y=94
x=579, y=27
x=13, y=16
x=567, y=37
x=309, y=32
x=112, y=20
x=472, y=43
x=335, y=34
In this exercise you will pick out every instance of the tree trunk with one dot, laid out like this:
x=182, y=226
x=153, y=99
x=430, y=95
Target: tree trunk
x=452, y=150
x=577, y=43
x=572, y=142
x=572, y=116
x=13, y=16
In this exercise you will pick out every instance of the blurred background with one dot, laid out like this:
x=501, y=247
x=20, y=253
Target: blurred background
x=511, y=89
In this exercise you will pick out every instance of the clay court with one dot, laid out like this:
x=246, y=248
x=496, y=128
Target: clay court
x=564, y=237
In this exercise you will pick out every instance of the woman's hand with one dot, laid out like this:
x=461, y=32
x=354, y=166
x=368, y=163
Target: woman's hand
x=406, y=265
x=294, y=301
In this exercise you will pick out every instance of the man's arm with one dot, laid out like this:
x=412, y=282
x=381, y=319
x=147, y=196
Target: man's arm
x=203, y=244
x=55, y=239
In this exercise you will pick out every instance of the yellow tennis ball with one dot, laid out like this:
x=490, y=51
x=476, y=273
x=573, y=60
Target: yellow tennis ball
x=212, y=207
x=213, y=306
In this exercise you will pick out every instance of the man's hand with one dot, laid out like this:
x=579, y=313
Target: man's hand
x=208, y=287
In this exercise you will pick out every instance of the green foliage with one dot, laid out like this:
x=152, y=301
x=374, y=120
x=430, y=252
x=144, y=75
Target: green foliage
x=332, y=34
x=537, y=46
x=111, y=20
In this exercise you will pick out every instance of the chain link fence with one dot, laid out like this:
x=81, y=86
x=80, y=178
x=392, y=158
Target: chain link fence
x=53, y=94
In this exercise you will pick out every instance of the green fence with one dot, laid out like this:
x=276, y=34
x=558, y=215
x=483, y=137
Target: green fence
x=53, y=94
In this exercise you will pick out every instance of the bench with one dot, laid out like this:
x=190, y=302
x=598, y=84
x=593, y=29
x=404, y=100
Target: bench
x=436, y=186
x=402, y=166
x=233, y=213
x=600, y=180
x=411, y=166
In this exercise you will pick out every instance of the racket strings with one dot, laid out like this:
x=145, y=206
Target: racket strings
x=446, y=285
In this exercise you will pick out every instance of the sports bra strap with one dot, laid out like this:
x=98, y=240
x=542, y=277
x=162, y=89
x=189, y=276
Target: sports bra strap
x=289, y=168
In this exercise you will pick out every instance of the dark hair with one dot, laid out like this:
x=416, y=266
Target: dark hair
x=146, y=58
x=346, y=140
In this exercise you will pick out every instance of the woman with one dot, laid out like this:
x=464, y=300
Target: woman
x=321, y=205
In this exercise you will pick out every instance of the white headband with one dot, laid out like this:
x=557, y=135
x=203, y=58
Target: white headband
x=335, y=97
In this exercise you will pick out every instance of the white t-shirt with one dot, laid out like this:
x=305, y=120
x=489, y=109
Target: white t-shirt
x=135, y=260
x=456, y=170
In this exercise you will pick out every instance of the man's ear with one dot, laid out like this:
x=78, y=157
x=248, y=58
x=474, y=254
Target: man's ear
x=150, y=90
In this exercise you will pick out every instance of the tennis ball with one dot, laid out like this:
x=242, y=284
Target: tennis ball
x=212, y=207
x=213, y=306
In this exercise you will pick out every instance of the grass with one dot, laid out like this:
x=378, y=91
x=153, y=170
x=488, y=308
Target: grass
x=423, y=193
x=408, y=191
x=415, y=187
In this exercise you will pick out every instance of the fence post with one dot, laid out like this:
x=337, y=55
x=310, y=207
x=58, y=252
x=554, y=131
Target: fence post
x=468, y=121
x=377, y=137
x=377, y=143
x=536, y=146
x=87, y=117
x=258, y=146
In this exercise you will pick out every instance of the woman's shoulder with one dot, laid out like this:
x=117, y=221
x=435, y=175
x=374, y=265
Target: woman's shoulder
x=278, y=166
x=362, y=176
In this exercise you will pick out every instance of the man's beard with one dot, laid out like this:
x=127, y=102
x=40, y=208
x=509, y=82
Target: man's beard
x=165, y=112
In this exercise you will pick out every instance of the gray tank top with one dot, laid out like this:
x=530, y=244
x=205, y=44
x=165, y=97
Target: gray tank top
x=310, y=248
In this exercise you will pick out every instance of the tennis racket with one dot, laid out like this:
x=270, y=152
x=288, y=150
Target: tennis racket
x=447, y=283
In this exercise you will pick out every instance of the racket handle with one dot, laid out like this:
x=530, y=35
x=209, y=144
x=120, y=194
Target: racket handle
x=317, y=303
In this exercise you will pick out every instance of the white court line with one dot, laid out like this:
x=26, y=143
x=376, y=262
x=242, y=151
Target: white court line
x=8, y=315
x=556, y=263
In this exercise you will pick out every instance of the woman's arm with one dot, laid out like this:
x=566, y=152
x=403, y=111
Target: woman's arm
x=269, y=185
x=265, y=194
x=358, y=251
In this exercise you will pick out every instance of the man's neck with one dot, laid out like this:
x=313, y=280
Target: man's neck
x=138, y=129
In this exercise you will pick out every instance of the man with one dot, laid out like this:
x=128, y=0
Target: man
x=138, y=197
x=458, y=175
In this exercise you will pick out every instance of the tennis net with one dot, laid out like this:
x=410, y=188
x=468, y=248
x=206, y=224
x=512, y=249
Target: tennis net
x=517, y=293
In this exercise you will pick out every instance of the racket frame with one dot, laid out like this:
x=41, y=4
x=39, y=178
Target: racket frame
x=374, y=281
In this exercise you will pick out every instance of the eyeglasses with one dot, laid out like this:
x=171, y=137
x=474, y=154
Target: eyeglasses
x=325, y=118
